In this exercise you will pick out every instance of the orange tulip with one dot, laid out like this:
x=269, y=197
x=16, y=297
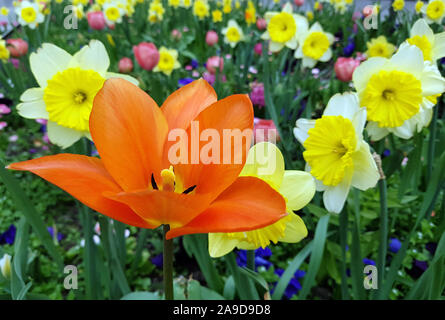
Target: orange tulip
x=132, y=182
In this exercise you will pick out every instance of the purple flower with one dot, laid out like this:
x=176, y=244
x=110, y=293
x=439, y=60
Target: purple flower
x=8, y=236
x=260, y=255
x=194, y=64
x=394, y=245
x=257, y=94
x=422, y=265
x=158, y=260
x=386, y=153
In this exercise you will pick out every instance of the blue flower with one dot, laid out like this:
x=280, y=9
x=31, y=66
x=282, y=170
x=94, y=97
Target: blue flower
x=158, y=260
x=8, y=236
x=51, y=232
x=184, y=81
x=386, y=153
x=294, y=284
x=194, y=64
x=349, y=49
x=367, y=261
x=260, y=255
x=394, y=245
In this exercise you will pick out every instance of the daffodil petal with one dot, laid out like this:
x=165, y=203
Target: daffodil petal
x=295, y=230
x=62, y=136
x=298, y=188
x=366, y=173
x=220, y=244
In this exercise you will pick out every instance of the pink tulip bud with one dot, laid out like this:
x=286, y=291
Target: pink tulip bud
x=344, y=68
x=211, y=38
x=125, y=65
x=265, y=130
x=213, y=63
x=258, y=49
x=261, y=24
x=367, y=10
x=176, y=34
x=96, y=20
x=17, y=47
x=299, y=3
x=147, y=55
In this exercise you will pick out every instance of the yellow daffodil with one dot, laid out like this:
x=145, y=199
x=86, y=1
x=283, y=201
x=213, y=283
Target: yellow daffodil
x=419, y=5
x=380, y=47
x=266, y=162
x=250, y=13
x=67, y=87
x=335, y=152
x=340, y=5
x=314, y=46
x=168, y=61
x=283, y=28
x=82, y=2
x=29, y=14
x=233, y=33
x=227, y=6
x=156, y=11
x=4, y=52
x=201, y=9
x=395, y=92
x=216, y=15
x=432, y=45
x=5, y=266
x=186, y=3
x=434, y=11
x=310, y=15
x=398, y=5
x=4, y=11
x=174, y=3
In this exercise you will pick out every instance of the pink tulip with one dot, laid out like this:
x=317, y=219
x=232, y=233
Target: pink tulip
x=213, y=63
x=211, y=38
x=17, y=47
x=147, y=55
x=344, y=68
x=265, y=130
x=125, y=65
x=258, y=49
x=4, y=109
x=261, y=24
x=257, y=94
x=299, y=3
x=96, y=20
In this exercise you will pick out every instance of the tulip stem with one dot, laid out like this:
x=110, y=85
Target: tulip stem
x=168, y=265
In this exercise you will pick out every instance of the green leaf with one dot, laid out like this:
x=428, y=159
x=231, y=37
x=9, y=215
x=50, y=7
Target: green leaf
x=316, y=256
x=244, y=285
x=32, y=217
x=141, y=295
x=255, y=276
x=290, y=270
x=229, y=288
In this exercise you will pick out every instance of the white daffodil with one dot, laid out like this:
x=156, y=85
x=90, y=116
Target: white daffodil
x=29, y=14
x=314, y=46
x=266, y=162
x=434, y=11
x=113, y=12
x=284, y=28
x=335, y=152
x=398, y=93
x=233, y=33
x=168, y=61
x=423, y=37
x=5, y=266
x=67, y=87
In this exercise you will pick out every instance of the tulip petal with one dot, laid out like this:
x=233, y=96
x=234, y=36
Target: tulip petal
x=163, y=207
x=228, y=125
x=129, y=131
x=248, y=204
x=186, y=103
x=85, y=178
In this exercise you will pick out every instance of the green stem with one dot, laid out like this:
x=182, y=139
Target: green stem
x=431, y=145
x=250, y=256
x=168, y=265
x=383, y=232
x=343, y=243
